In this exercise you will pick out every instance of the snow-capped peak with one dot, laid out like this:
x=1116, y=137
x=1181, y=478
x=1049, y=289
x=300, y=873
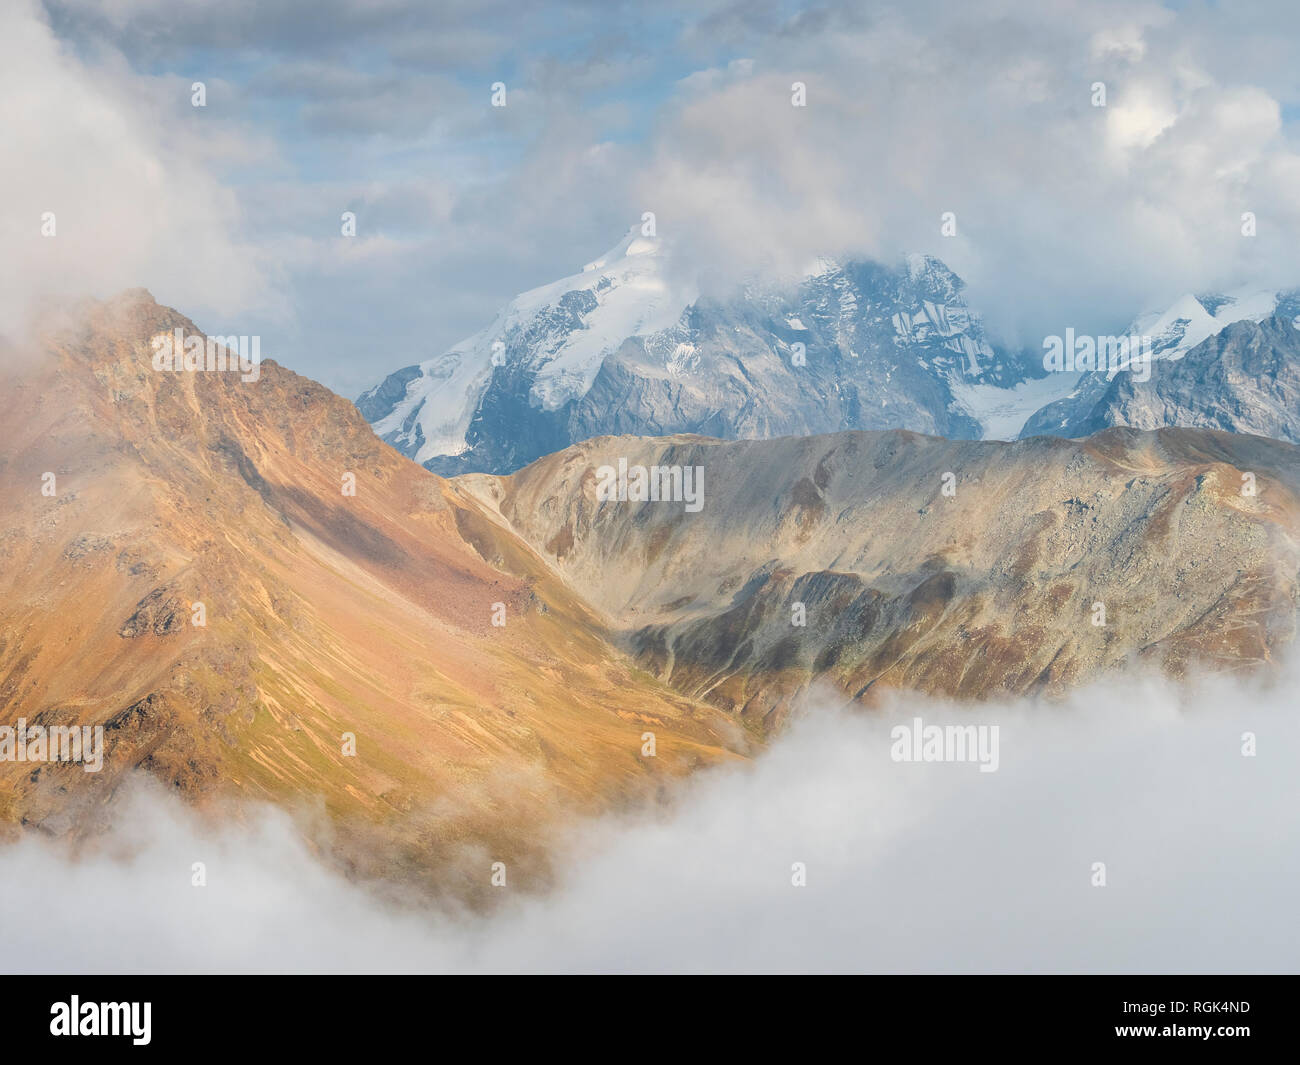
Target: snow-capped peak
x=1192, y=319
x=633, y=243
x=563, y=331
x=821, y=266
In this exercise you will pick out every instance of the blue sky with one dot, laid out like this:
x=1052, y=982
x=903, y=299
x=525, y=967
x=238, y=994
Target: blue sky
x=1069, y=215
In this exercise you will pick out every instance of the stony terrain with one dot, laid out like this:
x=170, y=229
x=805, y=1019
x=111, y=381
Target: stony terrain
x=990, y=589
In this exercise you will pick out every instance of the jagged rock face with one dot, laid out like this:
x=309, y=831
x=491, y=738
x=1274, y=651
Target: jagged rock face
x=1245, y=379
x=324, y=613
x=991, y=589
x=613, y=350
x=880, y=348
x=620, y=349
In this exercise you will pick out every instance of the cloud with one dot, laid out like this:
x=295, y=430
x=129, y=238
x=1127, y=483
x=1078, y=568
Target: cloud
x=1067, y=213
x=910, y=867
x=111, y=183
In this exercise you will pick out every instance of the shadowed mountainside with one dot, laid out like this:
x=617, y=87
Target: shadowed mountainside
x=990, y=589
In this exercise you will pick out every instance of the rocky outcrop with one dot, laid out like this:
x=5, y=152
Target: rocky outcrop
x=873, y=561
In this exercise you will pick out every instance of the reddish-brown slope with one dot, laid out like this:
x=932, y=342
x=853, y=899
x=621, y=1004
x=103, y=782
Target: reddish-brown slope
x=326, y=613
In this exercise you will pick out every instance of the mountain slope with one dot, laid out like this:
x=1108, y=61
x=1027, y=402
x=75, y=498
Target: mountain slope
x=1185, y=342
x=620, y=348
x=326, y=614
x=1245, y=379
x=988, y=590
x=1192, y=320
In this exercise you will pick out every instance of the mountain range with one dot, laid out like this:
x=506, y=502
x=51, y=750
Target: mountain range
x=257, y=598
x=1243, y=378
x=624, y=348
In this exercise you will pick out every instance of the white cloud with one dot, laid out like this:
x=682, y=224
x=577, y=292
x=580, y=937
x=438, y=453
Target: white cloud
x=910, y=867
x=1068, y=214
x=133, y=179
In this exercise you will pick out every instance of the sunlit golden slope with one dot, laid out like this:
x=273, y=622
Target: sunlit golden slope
x=326, y=614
